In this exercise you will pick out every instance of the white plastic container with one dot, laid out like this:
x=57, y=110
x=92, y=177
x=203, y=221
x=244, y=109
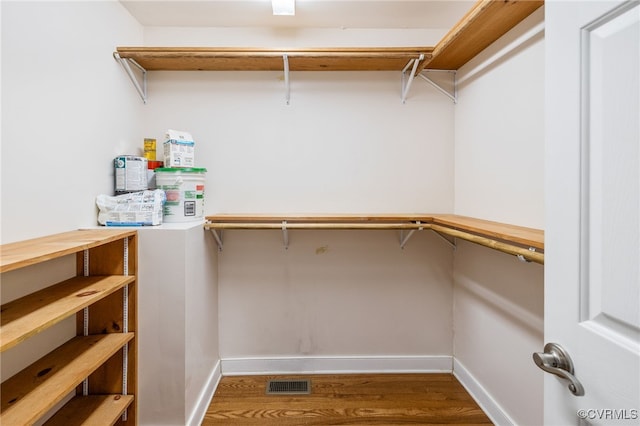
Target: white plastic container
x=184, y=190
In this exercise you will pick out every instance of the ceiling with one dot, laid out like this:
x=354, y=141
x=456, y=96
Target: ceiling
x=397, y=14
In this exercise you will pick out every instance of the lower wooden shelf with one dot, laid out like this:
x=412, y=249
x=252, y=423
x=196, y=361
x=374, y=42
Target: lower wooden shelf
x=24, y=317
x=91, y=410
x=525, y=243
x=31, y=393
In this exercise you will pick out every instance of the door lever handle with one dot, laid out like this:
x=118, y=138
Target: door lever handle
x=556, y=360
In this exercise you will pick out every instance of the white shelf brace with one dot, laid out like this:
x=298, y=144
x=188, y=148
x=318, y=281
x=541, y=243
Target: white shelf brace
x=406, y=84
x=453, y=96
x=218, y=237
x=448, y=241
x=287, y=87
x=125, y=62
x=405, y=238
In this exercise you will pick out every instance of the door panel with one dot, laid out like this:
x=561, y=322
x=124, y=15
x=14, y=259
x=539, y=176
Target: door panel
x=592, y=196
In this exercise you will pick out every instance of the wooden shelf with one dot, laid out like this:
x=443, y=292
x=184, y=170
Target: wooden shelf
x=517, y=240
x=486, y=21
x=103, y=299
x=29, y=315
x=35, y=390
x=248, y=59
x=91, y=410
x=24, y=253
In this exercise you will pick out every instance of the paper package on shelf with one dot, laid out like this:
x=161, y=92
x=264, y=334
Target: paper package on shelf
x=179, y=149
x=142, y=208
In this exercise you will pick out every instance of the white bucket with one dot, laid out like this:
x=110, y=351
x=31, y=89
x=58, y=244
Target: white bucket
x=184, y=188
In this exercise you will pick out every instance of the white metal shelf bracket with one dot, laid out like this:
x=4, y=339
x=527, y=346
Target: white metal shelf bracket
x=218, y=237
x=126, y=64
x=406, y=83
x=448, y=241
x=453, y=96
x=405, y=238
x=285, y=234
x=287, y=87
x=521, y=258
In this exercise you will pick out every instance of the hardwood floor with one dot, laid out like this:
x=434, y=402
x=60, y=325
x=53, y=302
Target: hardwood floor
x=359, y=399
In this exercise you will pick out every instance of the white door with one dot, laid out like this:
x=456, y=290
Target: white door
x=592, y=221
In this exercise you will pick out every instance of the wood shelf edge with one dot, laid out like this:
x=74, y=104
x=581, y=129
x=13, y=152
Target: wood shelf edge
x=91, y=410
x=36, y=250
x=29, y=394
x=35, y=312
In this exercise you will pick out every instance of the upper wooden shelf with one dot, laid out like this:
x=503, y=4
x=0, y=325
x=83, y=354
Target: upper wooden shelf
x=24, y=253
x=524, y=242
x=486, y=21
x=248, y=59
x=482, y=25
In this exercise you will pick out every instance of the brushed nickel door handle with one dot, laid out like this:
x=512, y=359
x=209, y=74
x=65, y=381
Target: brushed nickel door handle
x=556, y=360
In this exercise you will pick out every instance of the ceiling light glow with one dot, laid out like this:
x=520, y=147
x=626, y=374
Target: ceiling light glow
x=283, y=7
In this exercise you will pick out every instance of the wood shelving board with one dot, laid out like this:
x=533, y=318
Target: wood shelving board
x=24, y=253
x=31, y=314
x=512, y=239
x=254, y=59
x=486, y=21
x=529, y=237
x=91, y=410
x=29, y=394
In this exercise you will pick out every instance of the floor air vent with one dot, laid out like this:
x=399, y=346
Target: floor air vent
x=289, y=387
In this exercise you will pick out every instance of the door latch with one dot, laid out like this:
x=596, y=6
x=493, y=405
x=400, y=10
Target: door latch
x=556, y=360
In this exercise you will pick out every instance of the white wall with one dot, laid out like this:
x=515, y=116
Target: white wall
x=498, y=301
x=67, y=110
x=345, y=144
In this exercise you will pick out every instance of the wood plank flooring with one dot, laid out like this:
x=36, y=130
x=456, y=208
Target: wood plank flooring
x=359, y=399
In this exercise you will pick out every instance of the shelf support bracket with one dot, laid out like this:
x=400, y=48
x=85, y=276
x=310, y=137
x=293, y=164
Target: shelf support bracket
x=287, y=87
x=448, y=241
x=522, y=258
x=126, y=64
x=453, y=96
x=405, y=238
x=285, y=234
x=406, y=84
x=218, y=237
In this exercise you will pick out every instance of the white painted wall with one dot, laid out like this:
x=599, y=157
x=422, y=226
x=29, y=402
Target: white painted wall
x=345, y=144
x=67, y=110
x=177, y=322
x=498, y=301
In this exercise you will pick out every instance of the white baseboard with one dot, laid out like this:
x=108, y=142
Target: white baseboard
x=492, y=409
x=337, y=365
x=197, y=415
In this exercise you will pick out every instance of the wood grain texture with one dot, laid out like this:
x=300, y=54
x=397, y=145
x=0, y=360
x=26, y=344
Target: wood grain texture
x=266, y=59
x=486, y=21
x=24, y=253
x=31, y=314
x=502, y=232
x=363, y=399
x=28, y=395
x=91, y=410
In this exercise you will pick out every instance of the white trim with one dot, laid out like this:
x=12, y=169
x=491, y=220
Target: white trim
x=200, y=409
x=489, y=405
x=337, y=365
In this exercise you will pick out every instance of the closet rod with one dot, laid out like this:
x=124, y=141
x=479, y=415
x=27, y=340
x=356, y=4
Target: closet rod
x=294, y=225
x=491, y=243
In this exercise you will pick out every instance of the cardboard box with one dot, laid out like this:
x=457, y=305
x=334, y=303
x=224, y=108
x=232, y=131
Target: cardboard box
x=179, y=149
